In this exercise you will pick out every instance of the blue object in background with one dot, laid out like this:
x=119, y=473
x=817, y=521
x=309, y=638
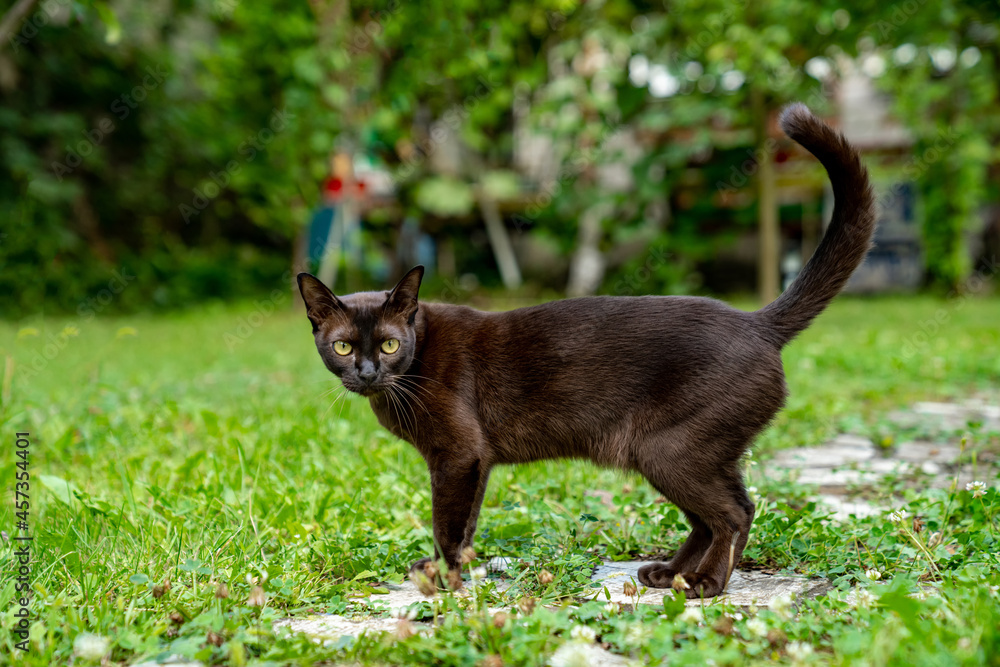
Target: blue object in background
x=320, y=228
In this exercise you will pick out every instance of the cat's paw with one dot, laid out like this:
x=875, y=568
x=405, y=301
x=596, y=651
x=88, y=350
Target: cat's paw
x=449, y=579
x=421, y=566
x=656, y=575
x=701, y=585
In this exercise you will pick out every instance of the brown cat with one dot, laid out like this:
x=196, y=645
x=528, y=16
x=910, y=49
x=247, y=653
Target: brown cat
x=675, y=388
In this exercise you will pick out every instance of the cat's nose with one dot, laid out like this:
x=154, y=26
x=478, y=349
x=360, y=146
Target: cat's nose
x=367, y=372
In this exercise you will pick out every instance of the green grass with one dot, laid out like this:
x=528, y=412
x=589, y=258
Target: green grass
x=208, y=447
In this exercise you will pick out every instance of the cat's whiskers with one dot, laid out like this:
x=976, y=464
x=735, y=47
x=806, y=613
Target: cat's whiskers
x=414, y=387
x=399, y=407
x=408, y=392
x=331, y=390
x=339, y=397
x=410, y=385
x=414, y=376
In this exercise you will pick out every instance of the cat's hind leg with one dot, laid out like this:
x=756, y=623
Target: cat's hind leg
x=687, y=558
x=712, y=491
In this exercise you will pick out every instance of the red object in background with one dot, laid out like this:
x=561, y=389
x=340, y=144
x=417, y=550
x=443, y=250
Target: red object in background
x=334, y=188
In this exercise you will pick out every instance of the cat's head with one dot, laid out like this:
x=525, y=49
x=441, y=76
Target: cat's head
x=366, y=339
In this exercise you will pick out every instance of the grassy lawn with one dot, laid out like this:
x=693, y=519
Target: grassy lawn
x=212, y=447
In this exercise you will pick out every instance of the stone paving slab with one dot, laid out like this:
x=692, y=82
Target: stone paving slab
x=949, y=416
x=923, y=452
x=172, y=661
x=406, y=593
x=329, y=628
x=746, y=587
x=841, y=451
x=843, y=509
x=850, y=461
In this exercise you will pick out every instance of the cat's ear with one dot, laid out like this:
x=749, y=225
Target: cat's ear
x=403, y=297
x=321, y=303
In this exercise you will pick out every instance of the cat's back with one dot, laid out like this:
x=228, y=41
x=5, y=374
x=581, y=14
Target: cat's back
x=664, y=333
x=638, y=320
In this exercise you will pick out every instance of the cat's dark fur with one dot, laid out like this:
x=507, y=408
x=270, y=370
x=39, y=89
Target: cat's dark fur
x=675, y=388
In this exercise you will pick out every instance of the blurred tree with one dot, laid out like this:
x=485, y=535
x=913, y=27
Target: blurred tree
x=188, y=147
x=746, y=61
x=940, y=62
x=683, y=72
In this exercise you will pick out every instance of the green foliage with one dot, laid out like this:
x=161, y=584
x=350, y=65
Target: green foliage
x=129, y=135
x=946, y=91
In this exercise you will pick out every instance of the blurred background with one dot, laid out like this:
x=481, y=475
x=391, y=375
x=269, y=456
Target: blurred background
x=206, y=151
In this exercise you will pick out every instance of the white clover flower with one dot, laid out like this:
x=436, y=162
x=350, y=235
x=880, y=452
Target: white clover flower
x=404, y=613
x=873, y=574
x=581, y=633
x=757, y=627
x=573, y=654
x=478, y=574
x=978, y=489
x=610, y=608
x=898, y=516
x=637, y=634
x=864, y=598
x=798, y=651
x=691, y=615
x=782, y=606
x=90, y=646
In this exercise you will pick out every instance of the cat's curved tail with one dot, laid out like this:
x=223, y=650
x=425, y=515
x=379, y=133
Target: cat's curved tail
x=847, y=239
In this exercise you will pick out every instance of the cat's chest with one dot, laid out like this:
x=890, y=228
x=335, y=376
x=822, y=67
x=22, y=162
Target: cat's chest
x=398, y=416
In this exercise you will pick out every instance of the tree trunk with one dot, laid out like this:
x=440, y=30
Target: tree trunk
x=767, y=206
x=586, y=270
x=503, y=249
x=12, y=18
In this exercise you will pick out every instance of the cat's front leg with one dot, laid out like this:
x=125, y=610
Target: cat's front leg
x=455, y=498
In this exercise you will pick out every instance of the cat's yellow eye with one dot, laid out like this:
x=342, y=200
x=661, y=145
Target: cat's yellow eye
x=342, y=348
x=390, y=346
